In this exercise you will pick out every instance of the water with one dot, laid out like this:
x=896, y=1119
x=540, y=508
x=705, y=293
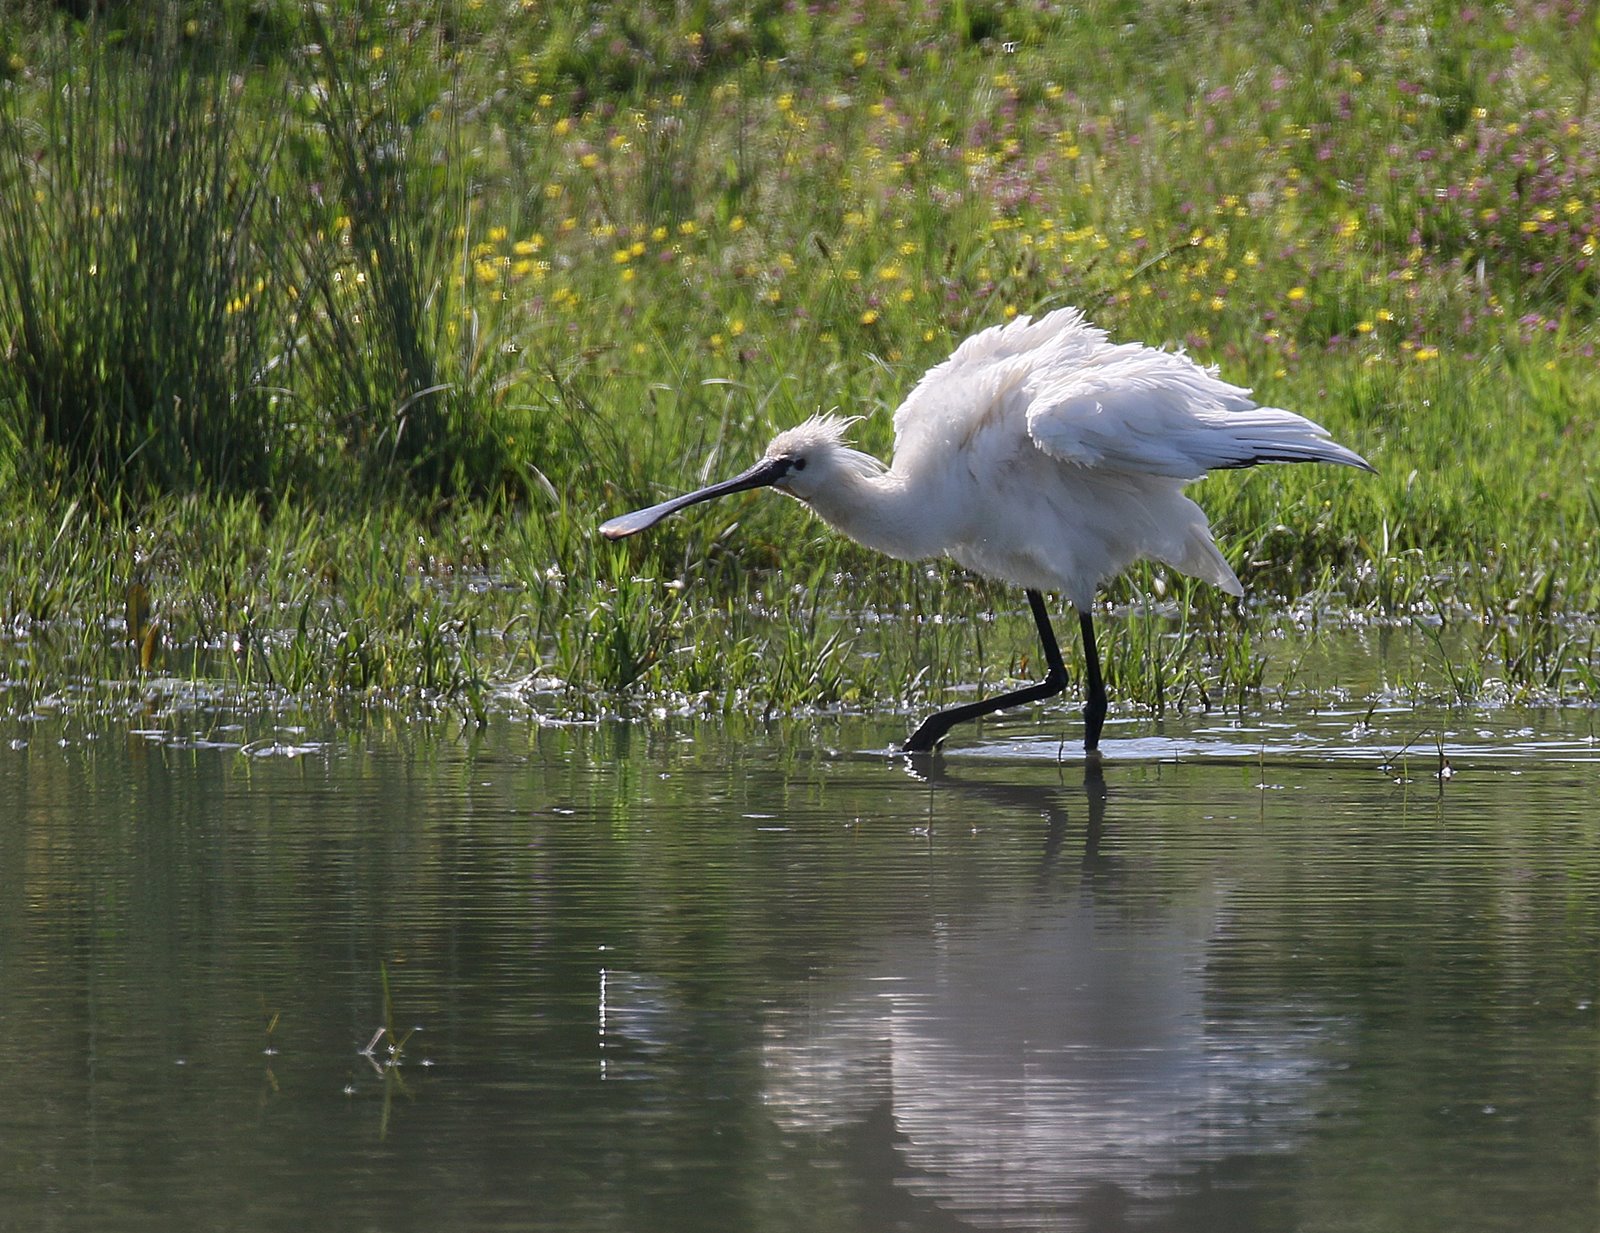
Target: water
x=1304, y=974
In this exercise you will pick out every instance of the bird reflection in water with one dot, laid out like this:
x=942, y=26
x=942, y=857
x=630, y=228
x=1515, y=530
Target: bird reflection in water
x=1063, y=1059
x=1050, y=801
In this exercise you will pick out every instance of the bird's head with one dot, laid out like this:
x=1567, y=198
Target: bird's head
x=802, y=461
x=815, y=458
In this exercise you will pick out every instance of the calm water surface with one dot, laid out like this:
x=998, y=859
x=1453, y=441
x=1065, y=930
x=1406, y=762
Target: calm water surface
x=657, y=977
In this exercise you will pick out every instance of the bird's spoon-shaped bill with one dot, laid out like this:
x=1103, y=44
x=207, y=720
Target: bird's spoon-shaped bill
x=767, y=471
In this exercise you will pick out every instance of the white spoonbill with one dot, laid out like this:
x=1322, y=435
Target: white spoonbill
x=1043, y=455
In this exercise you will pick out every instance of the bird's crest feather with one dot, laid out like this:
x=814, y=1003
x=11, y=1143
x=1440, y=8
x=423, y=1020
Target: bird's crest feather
x=823, y=436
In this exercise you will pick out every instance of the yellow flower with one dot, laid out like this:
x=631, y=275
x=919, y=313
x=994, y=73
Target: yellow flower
x=869, y=317
x=1363, y=327
x=1296, y=294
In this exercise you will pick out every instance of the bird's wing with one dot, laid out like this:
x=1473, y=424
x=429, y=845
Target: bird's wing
x=1135, y=409
x=984, y=382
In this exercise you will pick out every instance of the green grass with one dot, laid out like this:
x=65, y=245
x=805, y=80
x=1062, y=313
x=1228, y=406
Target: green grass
x=340, y=338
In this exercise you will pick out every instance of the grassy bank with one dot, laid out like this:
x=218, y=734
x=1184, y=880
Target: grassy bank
x=329, y=342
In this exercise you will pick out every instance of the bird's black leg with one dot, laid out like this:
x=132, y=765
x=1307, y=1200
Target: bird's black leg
x=1094, y=706
x=935, y=727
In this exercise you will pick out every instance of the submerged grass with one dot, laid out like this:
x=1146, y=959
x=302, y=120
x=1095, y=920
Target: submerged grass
x=331, y=338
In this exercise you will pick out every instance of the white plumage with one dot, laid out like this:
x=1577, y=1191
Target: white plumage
x=1043, y=455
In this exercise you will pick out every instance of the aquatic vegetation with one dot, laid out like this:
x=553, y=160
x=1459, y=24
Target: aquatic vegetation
x=405, y=306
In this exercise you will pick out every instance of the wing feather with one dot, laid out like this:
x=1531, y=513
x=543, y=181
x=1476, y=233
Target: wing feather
x=1126, y=408
x=984, y=381
x=1139, y=410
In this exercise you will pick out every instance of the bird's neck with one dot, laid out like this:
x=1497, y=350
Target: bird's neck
x=880, y=511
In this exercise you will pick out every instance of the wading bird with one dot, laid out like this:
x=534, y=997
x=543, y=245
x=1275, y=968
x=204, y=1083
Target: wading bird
x=1043, y=455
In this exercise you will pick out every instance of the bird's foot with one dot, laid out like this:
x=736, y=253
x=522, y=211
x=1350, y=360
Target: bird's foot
x=929, y=733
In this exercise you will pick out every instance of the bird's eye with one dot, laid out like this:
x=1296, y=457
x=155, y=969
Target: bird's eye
x=799, y=464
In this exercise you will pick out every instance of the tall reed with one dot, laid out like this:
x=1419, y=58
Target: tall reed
x=139, y=317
